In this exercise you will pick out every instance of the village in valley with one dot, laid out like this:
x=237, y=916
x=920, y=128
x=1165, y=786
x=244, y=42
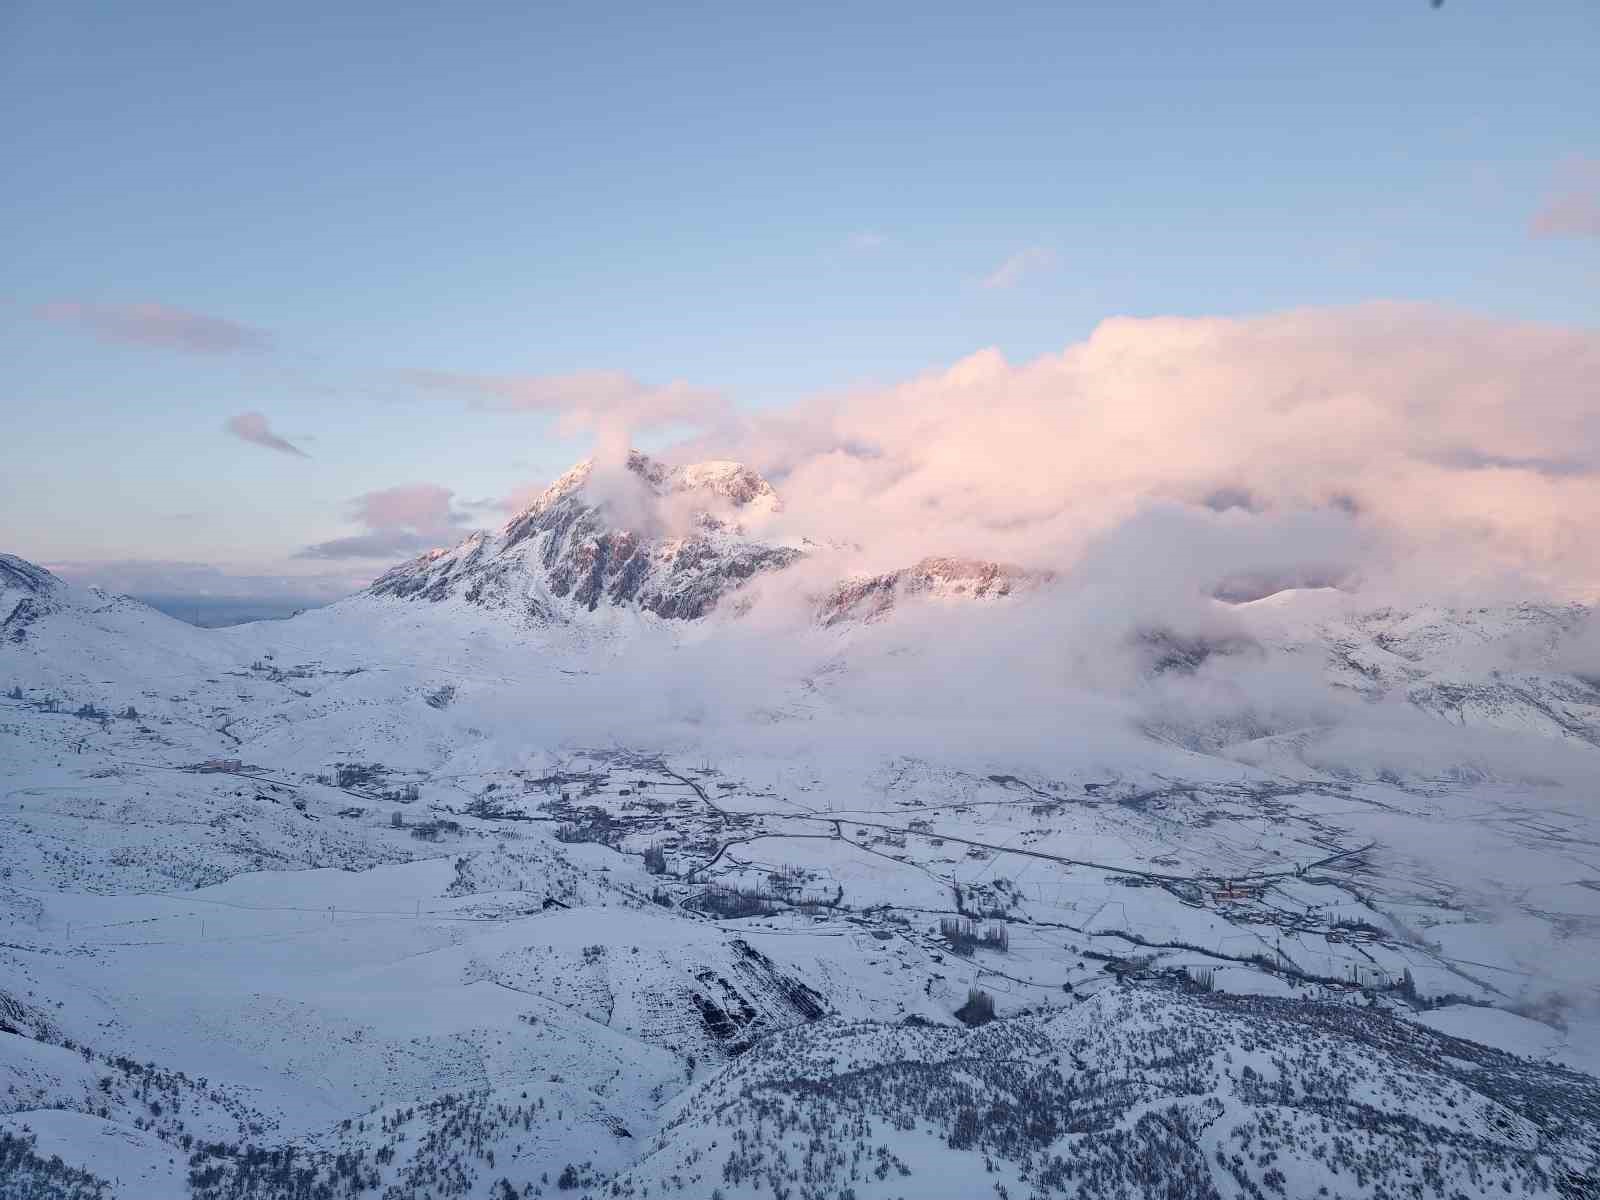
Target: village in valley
x=234, y=858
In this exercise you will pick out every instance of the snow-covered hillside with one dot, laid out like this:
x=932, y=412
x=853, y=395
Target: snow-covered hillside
x=1164, y=1091
x=1495, y=668
x=465, y=897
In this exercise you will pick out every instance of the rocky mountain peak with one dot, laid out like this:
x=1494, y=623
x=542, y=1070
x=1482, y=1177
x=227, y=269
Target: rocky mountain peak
x=670, y=541
x=722, y=490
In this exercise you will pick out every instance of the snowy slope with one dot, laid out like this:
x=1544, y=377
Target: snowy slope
x=1493, y=667
x=1135, y=1093
x=426, y=897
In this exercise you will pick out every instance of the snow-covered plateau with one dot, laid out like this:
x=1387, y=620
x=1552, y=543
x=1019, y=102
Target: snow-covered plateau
x=639, y=848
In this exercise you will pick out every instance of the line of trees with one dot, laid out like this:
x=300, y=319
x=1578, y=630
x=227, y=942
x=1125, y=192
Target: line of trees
x=963, y=936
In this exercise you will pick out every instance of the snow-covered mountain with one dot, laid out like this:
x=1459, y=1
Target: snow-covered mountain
x=430, y=894
x=669, y=542
x=90, y=643
x=1495, y=667
x=870, y=597
x=676, y=543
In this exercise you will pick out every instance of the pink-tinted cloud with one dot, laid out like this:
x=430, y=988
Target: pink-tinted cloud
x=252, y=427
x=613, y=405
x=1573, y=209
x=1384, y=444
x=1453, y=450
x=521, y=498
x=157, y=325
x=401, y=521
x=411, y=505
x=1029, y=261
x=381, y=545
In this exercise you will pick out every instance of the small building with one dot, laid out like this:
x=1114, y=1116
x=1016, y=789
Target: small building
x=1229, y=892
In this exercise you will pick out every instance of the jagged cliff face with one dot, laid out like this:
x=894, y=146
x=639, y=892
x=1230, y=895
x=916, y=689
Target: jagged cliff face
x=669, y=541
x=20, y=575
x=27, y=592
x=870, y=597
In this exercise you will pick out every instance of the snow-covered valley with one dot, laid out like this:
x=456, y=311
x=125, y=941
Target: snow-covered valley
x=575, y=861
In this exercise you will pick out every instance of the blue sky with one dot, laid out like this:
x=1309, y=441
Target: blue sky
x=286, y=209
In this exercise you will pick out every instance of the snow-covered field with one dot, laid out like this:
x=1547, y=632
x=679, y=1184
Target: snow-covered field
x=404, y=898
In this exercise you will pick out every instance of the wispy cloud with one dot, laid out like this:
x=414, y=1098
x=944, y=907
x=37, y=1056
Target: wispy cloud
x=866, y=240
x=1029, y=261
x=1470, y=459
x=389, y=545
x=207, y=581
x=252, y=427
x=611, y=404
x=408, y=506
x=1573, y=208
x=401, y=521
x=156, y=325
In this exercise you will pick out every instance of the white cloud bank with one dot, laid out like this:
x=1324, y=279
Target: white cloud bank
x=1393, y=443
